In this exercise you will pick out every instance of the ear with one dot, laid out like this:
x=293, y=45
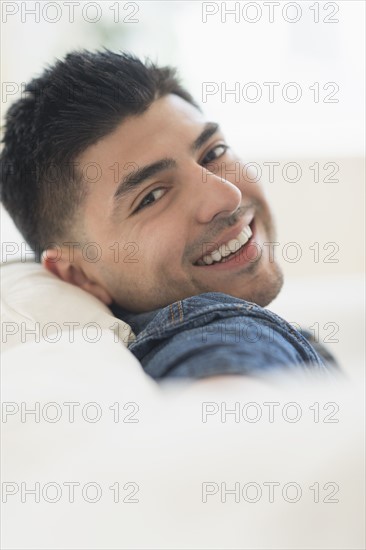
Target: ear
x=74, y=274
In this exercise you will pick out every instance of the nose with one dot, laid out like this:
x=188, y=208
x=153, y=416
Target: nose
x=214, y=197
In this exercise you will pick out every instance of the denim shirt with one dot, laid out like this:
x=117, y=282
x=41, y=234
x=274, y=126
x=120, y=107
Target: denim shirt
x=214, y=333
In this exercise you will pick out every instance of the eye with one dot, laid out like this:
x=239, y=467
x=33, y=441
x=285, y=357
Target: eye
x=150, y=198
x=215, y=153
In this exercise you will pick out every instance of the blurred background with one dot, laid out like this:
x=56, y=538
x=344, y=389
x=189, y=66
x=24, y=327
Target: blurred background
x=303, y=135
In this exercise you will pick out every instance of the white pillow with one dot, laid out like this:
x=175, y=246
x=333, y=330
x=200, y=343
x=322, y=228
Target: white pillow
x=38, y=306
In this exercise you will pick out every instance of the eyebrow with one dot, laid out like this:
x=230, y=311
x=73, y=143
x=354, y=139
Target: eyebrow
x=136, y=178
x=209, y=130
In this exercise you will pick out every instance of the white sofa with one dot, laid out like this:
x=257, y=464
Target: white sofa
x=166, y=454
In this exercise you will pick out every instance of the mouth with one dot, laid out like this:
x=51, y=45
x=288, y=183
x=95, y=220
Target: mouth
x=232, y=251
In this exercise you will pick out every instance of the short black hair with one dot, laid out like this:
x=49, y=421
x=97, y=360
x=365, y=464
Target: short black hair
x=72, y=105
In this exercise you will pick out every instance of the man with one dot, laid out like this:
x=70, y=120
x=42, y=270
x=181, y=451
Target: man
x=123, y=187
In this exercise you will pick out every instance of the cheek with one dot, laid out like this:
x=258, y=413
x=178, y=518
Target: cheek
x=157, y=243
x=163, y=249
x=254, y=190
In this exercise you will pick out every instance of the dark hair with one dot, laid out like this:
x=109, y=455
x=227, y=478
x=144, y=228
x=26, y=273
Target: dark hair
x=73, y=104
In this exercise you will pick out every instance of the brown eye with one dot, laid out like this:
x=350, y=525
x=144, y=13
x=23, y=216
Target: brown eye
x=150, y=198
x=215, y=153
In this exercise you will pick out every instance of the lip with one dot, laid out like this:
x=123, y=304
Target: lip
x=245, y=254
x=232, y=234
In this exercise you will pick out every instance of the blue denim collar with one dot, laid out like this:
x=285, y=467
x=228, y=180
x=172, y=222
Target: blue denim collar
x=137, y=321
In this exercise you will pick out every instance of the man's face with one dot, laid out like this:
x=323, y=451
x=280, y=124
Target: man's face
x=193, y=199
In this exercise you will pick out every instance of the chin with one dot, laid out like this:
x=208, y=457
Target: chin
x=265, y=288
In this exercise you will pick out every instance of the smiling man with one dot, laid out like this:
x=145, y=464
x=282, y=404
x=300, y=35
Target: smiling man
x=124, y=188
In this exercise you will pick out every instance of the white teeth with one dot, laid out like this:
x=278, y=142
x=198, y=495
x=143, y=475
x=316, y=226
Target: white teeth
x=216, y=255
x=228, y=248
x=248, y=231
x=243, y=238
x=224, y=250
x=207, y=259
x=234, y=245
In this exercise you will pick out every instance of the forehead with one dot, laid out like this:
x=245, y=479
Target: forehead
x=168, y=121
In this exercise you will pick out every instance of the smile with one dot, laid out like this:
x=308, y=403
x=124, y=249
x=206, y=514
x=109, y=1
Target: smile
x=228, y=250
